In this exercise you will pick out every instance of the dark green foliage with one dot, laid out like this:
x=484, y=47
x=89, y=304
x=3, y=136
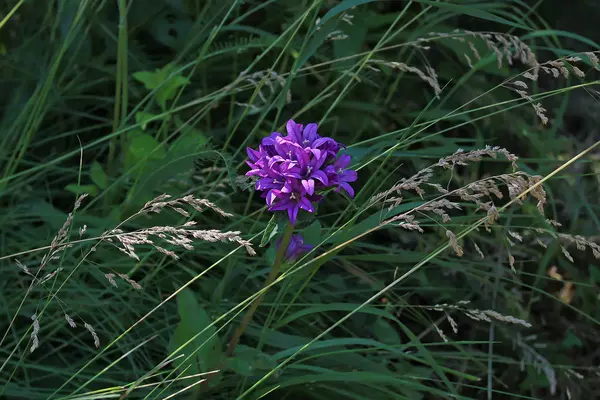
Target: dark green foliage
x=126, y=100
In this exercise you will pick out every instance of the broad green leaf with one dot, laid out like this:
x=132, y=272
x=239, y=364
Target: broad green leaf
x=145, y=146
x=173, y=166
x=151, y=80
x=332, y=307
x=312, y=234
x=168, y=90
x=98, y=175
x=353, y=43
x=571, y=341
x=143, y=118
x=473, y=11
x=373, y=221
x=163, y=82
x=594, y=274
x=92, y=190
x=571, y=35
x=316, y=41
x=385, y=332
x=340, y=8
x=246, y=360
x=190, y=135
x=205, y=349
x=270, y=232
x=270, y=255
x=402, y=383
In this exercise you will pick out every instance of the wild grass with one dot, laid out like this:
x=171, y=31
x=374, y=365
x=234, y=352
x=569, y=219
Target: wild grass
x=466, y=266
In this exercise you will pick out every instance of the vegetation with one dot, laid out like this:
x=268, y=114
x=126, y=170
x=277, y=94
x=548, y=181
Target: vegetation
x=132, y=244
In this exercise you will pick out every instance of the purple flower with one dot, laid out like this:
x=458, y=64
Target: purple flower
x=296, y=248
x=308, y=137
x=291, y=170
x=340, y=176
x=293, y=197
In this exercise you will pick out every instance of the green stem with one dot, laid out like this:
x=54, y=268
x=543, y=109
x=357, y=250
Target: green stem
x=285, y=241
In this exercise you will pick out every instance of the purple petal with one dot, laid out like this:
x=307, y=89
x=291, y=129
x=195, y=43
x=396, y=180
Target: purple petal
x=270, y=140
x=347, y=188
x=349, y=176
x=274, y=160
x=294, y=130
x=309, y=134
x=293, y=213
x=258, y=172
x=318, y=159
x=321, y=141
x=253, y=155
x=271, y=196
x=305, y=204
x=309, y=185
x=291, y=174
x=302, y=157
x=328, y=144
x=268, y=183
x=320, y=176
x=282, y=204
x=343, y=161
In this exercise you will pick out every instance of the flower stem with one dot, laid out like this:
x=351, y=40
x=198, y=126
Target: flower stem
x=285, y=241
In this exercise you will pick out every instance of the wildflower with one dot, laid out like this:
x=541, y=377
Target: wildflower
x=293, y=197
x=296, y=248
x=342, y=176
x=292, y=170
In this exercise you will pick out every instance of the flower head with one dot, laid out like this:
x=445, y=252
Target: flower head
x=291, y=170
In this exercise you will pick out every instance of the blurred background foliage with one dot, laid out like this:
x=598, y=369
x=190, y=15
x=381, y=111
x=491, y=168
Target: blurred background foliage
x=128, y=99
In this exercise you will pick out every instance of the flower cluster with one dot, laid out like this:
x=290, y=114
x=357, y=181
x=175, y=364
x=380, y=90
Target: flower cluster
x=292, y=170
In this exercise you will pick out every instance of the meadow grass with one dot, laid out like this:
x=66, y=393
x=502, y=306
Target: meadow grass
x=132, y=243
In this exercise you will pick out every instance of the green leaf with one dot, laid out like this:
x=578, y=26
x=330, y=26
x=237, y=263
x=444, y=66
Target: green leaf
x=343, y=6
x=205, y=349
x=312, y=234
x=571, y=341
x=168, y=91
x=385, y=332
x=571, y=35
x=145, y=146
x=353, y=43
x=474, y=12
x=246, y=360
x=167, y=168
x=143, y=118
x=98, y=175
x=319, y=309
x=316, y=41
x=595, y=274
x=270, y=232
x=192, y=135
x=91, y=190
x=162, y=82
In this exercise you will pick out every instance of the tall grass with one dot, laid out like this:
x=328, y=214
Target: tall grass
x=466, y=266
